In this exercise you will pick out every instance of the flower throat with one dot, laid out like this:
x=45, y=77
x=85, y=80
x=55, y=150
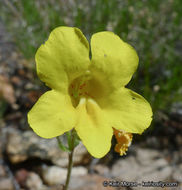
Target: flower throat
x=79, y=88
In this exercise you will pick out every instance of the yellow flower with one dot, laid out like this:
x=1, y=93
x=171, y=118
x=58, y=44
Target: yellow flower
x=88, y=94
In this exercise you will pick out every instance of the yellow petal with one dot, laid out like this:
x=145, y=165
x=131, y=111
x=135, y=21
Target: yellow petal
x=52, y=115
x=93, y=129
x=63, y=57
x=127, y=110
x=113, y=60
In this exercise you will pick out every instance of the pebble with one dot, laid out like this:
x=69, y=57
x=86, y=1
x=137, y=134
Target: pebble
x=102, y=170
x=147, y=165
x=6, y=184
x=2, y=171
x=33, y=181
x=177, y=174
x=89, y=182
x=54, y=175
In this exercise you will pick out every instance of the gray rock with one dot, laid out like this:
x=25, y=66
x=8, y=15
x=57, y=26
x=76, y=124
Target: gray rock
x=144, y=156
x=6, y=181
x=102, y=170
x=147, y=165
x=6, y=184
x=21, y=146
x=89, y=182
x=86, y=182
x=125, y=169
x=54, y=175
x=2, y=171
x=33, y=181
x=177, y=173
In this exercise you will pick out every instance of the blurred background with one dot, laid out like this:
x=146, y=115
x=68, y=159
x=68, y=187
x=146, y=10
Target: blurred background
x=154, y=29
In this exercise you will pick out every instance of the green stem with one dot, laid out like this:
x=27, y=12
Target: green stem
x=70, y=164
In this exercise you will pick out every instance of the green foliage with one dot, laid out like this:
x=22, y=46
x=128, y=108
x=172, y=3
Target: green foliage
x=152, y=27
x=72, y=141
x=3, y=106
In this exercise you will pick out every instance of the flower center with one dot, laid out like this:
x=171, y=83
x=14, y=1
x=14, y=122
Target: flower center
x=79, y=88
x=89, y=86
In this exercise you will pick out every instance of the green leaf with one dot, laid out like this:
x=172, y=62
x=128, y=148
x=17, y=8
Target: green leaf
x=62, y=146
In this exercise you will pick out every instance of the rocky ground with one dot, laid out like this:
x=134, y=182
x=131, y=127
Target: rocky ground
x=31, y=163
